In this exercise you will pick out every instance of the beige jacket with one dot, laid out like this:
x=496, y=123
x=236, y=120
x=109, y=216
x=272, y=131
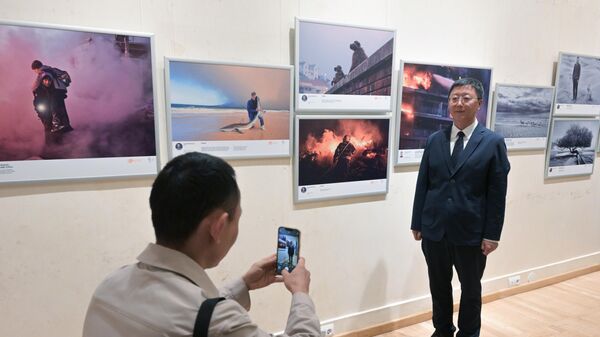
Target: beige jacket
x=161, y=295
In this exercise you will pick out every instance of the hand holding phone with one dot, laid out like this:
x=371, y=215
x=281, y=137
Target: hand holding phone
x=261, y=274
x=297, y=281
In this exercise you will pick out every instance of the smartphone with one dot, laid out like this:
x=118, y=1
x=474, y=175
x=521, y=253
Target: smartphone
x=288, y=249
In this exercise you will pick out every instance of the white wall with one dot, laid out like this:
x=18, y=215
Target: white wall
x=58, y=240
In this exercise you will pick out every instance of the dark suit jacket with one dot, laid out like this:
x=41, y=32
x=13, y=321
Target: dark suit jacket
x=465, y=203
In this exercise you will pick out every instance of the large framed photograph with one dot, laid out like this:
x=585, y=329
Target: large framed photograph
x=340, y=156
x=521, y=114
x=577, y=85
x=344, y=68
x=75, y=103
x=571, y=146
x=229, y=110
x=423, y=104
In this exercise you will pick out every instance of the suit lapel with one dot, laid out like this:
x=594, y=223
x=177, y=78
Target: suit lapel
x=446, y=147
x=474, y=141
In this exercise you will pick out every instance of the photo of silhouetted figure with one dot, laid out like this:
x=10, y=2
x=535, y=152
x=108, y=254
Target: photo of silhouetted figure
x=341, y=158
x=576, y=75
x=577, y=83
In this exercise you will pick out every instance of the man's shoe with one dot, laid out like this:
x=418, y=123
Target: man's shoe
x=438, y=333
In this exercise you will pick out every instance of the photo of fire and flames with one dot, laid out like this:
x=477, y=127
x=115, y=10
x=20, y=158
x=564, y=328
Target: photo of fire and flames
x=342, y=150
x=424, y=107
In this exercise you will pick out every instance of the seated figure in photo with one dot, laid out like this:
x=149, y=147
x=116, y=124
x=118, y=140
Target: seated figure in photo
x=358, y=55
x=195, y=204
x=339, y=74
x=254, y=110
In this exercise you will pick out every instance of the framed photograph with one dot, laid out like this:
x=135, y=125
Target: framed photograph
x=571, y=147
x=423, y=104
x=341, y=156
x=577, y=85
x=344, y=68
x=229, y=110
x=75, y=103
x=521, y=114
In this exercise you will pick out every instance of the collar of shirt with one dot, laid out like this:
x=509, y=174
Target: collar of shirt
x=172, y=260
x=468, y=131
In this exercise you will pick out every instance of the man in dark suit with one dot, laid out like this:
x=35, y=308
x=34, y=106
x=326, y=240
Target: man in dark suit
x=458, y=209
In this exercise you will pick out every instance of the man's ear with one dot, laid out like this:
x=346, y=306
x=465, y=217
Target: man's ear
x=218, y=220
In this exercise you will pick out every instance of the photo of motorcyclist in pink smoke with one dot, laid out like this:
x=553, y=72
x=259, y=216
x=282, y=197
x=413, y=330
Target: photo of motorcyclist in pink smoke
x=69, y=94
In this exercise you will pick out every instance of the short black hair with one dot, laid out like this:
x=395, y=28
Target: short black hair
x=37, y=64
x=188, y=189
x=476, y=84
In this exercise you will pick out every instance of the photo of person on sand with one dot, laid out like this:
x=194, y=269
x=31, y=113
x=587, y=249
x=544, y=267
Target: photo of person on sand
x=219, y=102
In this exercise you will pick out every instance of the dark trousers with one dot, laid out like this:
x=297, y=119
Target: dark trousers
x=575, y=86
x=252, y=115
x=469, y=262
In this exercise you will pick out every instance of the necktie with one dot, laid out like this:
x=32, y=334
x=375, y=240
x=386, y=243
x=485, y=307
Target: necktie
x=458, y=148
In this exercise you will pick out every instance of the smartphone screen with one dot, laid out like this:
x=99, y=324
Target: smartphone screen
x=288, y=249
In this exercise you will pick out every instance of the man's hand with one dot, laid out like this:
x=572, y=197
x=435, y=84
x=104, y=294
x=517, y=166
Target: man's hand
x=298, y=281
x=261, y=274
x=488, y=246
x=416, y=235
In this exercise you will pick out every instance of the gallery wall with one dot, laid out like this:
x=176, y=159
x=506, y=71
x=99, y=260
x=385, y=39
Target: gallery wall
x=59, y=240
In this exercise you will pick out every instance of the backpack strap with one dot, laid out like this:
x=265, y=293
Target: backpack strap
x=204, y=314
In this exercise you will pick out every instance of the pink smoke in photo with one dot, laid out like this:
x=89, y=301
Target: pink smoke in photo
x=109, y=101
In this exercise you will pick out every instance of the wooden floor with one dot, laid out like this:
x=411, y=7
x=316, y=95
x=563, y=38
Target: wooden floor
x=567, y=309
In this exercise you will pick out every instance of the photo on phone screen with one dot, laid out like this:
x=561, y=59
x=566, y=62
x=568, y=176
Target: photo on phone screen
x=288, y=249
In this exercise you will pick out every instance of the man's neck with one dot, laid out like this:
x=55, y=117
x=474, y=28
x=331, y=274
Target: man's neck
x=200, y=256
x=466, y=125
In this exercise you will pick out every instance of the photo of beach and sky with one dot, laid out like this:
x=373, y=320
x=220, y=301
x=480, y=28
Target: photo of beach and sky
x=209, y=102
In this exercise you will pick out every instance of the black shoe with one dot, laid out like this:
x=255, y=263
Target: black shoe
x=438, y=333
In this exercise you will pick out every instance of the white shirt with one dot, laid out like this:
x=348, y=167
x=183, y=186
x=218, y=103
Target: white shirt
x=468, y=131
x=161, y=295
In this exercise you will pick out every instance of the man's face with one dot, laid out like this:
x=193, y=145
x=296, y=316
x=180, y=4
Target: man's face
x=37, y=71
x=463, y=105
x=253, y=97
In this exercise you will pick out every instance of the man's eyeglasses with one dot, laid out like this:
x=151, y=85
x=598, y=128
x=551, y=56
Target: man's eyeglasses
x=464, y=99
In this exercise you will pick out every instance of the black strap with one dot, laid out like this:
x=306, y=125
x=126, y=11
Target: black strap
x=204, y=314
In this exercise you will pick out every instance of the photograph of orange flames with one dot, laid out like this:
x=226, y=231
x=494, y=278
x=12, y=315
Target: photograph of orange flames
x=342, y=150
x=424, y=107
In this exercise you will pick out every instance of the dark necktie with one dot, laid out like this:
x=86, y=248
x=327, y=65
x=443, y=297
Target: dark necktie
x=458, y=148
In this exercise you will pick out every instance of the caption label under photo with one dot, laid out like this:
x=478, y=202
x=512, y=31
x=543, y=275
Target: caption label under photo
x=345, y=189
x=410, y=156
x=42, y=170
x=558, y=171
x=347, y=102
x=577, y=110
x=253, y=148
x=525, y=143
